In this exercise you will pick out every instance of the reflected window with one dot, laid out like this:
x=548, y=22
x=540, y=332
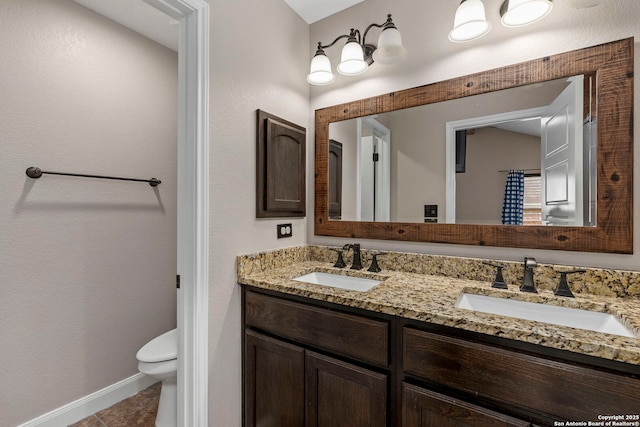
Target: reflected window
x=532, y=199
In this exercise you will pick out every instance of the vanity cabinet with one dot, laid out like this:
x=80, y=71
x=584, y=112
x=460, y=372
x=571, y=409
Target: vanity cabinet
x=310, y=363
x=311, y=366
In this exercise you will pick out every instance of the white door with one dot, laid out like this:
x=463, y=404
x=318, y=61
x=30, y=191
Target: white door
x=374, y=171
x=561, y=165
x=383, y=178
x=366, y=180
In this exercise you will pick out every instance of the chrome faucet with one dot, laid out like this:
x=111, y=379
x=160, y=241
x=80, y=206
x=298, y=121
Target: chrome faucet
x=357, y=262
x=527, y=283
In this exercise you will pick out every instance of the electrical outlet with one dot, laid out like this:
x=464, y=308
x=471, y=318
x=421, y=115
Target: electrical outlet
x=285, y=230
x=430, y=211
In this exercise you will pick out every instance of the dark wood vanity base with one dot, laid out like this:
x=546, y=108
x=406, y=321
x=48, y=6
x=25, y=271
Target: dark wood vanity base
x=313, y=363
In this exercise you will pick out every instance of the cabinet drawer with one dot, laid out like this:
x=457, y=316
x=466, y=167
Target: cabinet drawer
x=566, y=391
x=425, y=408
x=341, y=333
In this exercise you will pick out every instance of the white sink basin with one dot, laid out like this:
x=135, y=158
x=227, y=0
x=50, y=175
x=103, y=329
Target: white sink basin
x=573, y=317
x=338, y=281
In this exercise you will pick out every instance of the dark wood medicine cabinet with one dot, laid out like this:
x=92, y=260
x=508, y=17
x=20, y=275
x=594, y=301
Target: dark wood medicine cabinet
x=280, y=167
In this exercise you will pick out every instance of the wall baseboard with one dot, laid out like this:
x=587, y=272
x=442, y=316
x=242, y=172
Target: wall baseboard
x=90, y=404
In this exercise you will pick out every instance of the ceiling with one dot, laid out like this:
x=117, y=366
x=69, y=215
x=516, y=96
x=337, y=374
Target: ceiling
x=139, y=17
x=315, y=10
x=151, y=23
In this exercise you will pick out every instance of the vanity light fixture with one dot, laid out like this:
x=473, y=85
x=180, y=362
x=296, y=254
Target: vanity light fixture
x=357, y=55
x=470, y=22
x=516, y=13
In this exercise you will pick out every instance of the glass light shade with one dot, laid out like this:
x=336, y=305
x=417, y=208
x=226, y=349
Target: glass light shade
x=470, y=22
x=320, y=71
x=390, y=49
x=352, y=60
x=524, y=12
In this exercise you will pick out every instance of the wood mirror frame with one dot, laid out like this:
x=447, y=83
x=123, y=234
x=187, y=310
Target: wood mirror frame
x=612, y=64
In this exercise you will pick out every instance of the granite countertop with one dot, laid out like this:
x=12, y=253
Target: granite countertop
x=431, y=298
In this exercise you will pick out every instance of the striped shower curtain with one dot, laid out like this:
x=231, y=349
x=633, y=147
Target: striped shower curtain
x=512, y=208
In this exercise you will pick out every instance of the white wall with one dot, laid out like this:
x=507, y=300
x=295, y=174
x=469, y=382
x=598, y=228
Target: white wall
x=87, y=267
x=259, y=60
x=418, y=171
x=431, y=58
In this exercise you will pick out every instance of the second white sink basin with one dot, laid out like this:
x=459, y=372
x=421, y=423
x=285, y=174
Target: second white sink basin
x=564, y=316
x=338, y=281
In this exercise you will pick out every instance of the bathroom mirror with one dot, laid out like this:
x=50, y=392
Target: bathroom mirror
x=395, y=163
x=604, y=76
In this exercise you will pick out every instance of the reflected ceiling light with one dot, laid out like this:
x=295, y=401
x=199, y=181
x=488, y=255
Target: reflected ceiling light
x=470, y=22
x=357, y=55
x=516, y=13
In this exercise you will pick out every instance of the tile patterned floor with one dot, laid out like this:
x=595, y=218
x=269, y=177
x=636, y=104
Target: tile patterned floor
x=139, y=410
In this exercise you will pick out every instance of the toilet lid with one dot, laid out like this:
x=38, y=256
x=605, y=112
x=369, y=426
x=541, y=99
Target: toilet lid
x=160, y=349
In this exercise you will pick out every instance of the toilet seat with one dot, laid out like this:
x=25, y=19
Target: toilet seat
x=160, y=349
x=159, y=370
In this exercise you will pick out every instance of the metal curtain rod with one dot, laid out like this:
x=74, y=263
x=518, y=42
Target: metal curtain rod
x=34, y=172
x=523, y=170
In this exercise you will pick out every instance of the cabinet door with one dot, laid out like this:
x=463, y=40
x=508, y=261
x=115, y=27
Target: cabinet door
x=425, y=408
x=335, y=179
x=274, y=381
x=340, y=394
x=280, y=172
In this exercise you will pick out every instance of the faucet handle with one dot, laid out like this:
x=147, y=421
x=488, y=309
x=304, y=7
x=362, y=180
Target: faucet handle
x=340, y=262
x=498, y=282
x=563, y=289
x=374, y=267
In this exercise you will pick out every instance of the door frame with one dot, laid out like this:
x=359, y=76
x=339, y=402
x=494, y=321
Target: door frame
x=192, y=206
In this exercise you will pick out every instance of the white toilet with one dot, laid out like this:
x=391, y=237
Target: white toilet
x=159, y=359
